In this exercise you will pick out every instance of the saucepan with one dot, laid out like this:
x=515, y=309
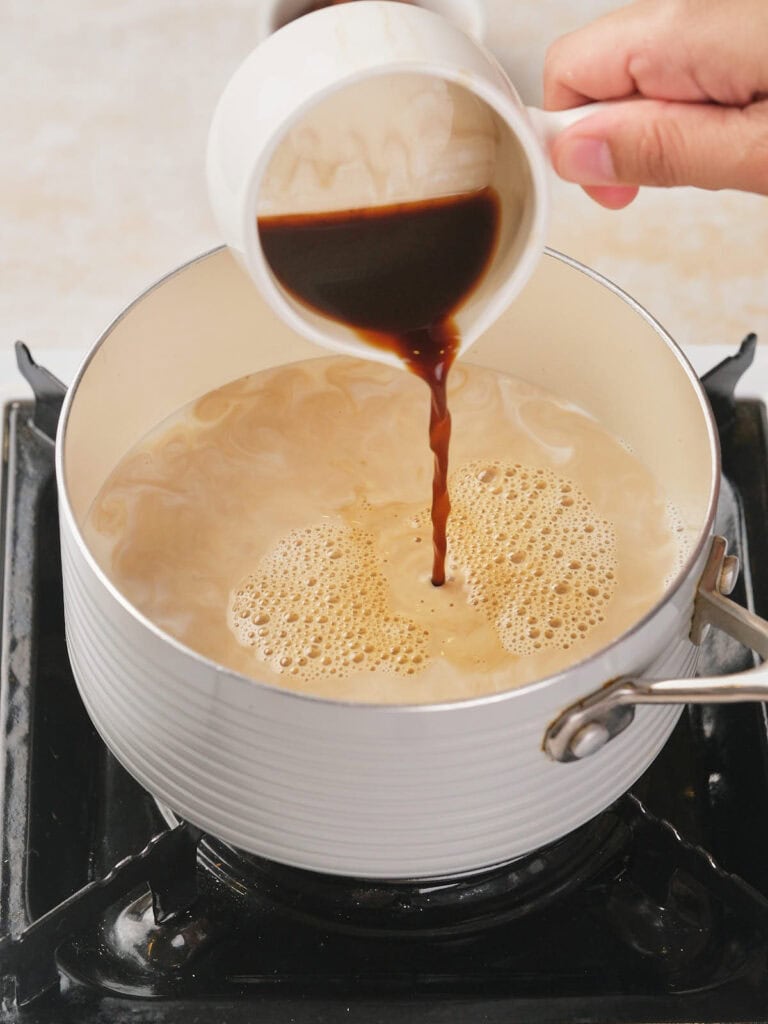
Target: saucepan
x=393, y=792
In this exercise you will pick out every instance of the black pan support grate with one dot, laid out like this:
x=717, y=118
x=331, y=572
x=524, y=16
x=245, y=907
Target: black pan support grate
x=655, y=911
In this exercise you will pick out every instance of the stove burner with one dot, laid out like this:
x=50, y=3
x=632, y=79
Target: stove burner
x=440, y=908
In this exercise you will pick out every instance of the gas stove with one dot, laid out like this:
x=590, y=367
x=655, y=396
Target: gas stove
x=657, y=910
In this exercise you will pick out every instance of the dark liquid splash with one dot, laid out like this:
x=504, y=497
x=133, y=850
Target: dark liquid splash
x=395, y=274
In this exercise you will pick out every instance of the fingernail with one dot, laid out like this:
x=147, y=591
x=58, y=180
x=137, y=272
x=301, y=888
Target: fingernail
x=586, y=161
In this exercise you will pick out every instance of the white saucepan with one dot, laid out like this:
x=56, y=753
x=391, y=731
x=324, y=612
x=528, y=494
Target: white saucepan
x=392, y=791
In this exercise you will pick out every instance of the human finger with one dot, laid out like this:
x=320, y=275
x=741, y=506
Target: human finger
x=648, y=142
x=683, y=50
x=612, y=197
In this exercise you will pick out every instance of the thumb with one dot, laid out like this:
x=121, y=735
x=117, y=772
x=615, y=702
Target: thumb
x=651, y=142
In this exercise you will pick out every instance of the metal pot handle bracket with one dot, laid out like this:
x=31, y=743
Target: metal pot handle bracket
x=585, y=727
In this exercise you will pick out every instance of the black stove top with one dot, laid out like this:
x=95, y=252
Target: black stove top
x=655, y=911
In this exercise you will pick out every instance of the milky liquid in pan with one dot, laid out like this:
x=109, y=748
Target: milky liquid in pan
x=280, y=526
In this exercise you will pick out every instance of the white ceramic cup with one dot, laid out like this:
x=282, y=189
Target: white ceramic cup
x=468, y=15
x=400, y=71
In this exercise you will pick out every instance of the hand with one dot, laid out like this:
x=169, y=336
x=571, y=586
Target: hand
x=697, y=73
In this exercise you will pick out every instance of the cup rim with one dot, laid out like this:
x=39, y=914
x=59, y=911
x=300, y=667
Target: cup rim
x=476, y=20
x=511, y=112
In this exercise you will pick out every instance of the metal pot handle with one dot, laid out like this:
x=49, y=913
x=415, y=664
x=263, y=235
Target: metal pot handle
x=585, y=727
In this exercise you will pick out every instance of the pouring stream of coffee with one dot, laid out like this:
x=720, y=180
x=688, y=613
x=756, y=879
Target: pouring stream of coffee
x=395, y=274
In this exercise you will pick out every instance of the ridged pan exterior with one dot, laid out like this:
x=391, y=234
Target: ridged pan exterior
x=354, y=790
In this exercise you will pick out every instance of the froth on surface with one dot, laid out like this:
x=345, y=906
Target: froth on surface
x=535, y=556
x=319, y=606
x=319, y=603
x=280, y=526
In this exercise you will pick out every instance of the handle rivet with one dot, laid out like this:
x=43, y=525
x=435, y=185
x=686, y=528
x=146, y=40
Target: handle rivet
x=728, y=574
x=589, y=739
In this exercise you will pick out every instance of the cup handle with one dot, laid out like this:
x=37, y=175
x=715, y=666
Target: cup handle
x=548, y=124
